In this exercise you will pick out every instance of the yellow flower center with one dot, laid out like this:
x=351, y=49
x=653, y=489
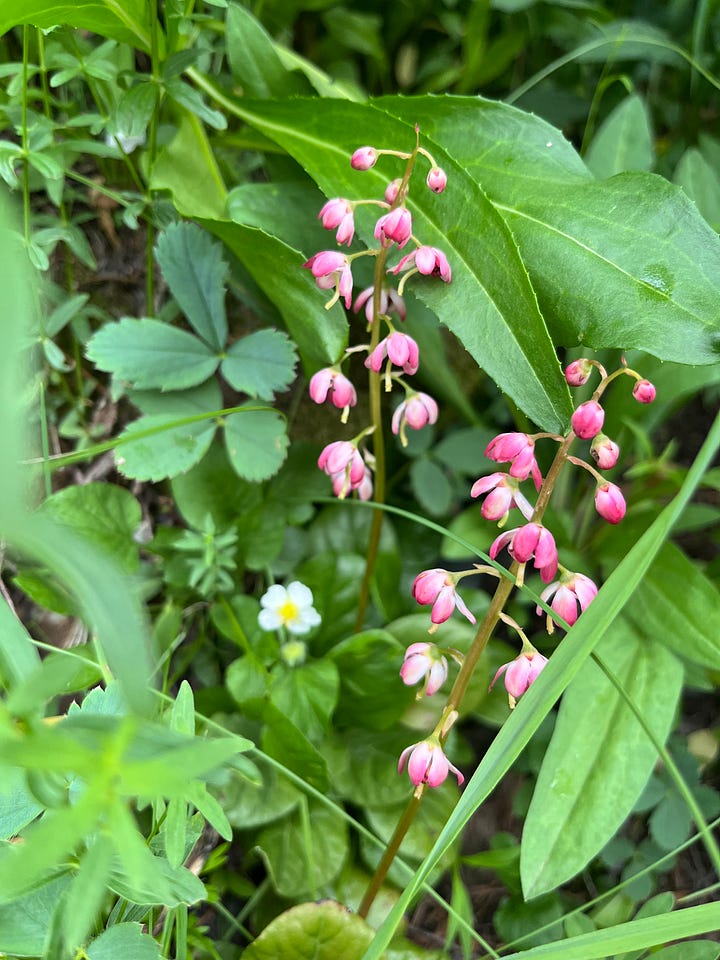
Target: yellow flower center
x=288, y=611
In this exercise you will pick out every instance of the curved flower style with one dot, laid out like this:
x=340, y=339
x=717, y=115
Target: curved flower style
x=520, y=674
x=289, y=607
x=528, y=542
x=390, y=302
x=426, y=260
x=428, y=763
x=332, y=269
x=517, y=449
x=437, y=587
x=338, y=213
x=400, y=349
x=395, y=226
x=423, y=661
x=571, y=591
x=609, y=502
x=503, y=494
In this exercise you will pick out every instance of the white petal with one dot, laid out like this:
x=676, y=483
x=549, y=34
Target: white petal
x=275, y=596
x=300, y=594
x=270, y=620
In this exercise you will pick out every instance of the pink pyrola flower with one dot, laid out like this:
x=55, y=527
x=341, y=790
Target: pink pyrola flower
x=503, y=494
x=528, y=542
x=519, y=450
x=578, y=372
x=332, y=269
x=644, y=391
x=604, y=451
x=428, y=763
x=400, y=349
x=365, y=487
x=571, y=591
x=520, y=674
x=364, y=158
x=392, y=190
x=416, y=412
x=437, y=587
x=588, y=419
x=437, y=180
x=609, y=502
x=332, y=382
x=390, y=302
x=423, y=661
x=395, y=226
x=342, y=461
x=427, y=260
x=338, y=213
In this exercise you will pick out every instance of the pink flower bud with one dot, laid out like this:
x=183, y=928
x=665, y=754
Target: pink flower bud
x=331, y=381
x=395, y=226
x=338, y=213
x=364, y=158
x=437, y=587
x=573, y=590
x=427, y=260
x=578, y=372
x=604, y=451
x=428, y=764
x=400, y=349
x=644, y=391
x=588, y=419
x=423, y=661
x=609, y=502
x=437, y=180
x=392, y=190
x=520, y=674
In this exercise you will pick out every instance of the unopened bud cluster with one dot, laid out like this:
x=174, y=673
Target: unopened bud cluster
x=395, y=354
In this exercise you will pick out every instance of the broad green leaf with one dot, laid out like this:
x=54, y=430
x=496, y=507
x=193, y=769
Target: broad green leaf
x=302, y=858
x=104, y=514
x=24, y=923
x=85, y=895
x=160, y=444
x=431, y=486
x=122, y=941
x=490, y=305
x=17, y=805
x=149, y=354
x=320, y=335
x=307, y=695
x=515, y=918
x=634, y=242
x=690, y=950
x=564, y=664
x=288, y=744
x=287, y=210
x=676, y=605
x=193, y=265
x=261, y=364
x=700, y=181
x=363, y=766
x=191, y=99
x=253, y=60
x=174, y=831
x=624, y=142
x=249, y=805
x=213, y=488
x=127, y=22
x=18, y=656
x=134, y=110
x=312, y=931
x=597, y=741
x=256, y=442
x=187, y=167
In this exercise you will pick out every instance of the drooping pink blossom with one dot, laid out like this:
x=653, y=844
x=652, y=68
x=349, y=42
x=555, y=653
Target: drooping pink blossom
x=437, y=587
x=436, y=180
x=517, y=449
x=416, y=411
x=570, y=592
x=578, y=372
x=609, y=502
x=364, y=158
x=423, y=661
x=644, y=391
x=400, y=349
x=390, y=302
x=426, y=260
x=520, y=674
x=587, y=421
x=338, y=213
x=394, y=227
x=331, y=384
x=427, y=764
x=392, y=190
x=343, y=463
x=332, y=269
x=528, y=542
x=605, y=451
x=503, y=493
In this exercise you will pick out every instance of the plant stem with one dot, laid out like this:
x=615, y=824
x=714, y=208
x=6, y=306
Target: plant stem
x=152, y=154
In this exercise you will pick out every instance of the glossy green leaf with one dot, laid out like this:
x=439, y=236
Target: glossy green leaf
x=677, y=605
x=249, y=805
x=127, y=22
x=634, y=241
x=690, y=950
x=320, y=335
x=624, y=141
x=104, y=514
x=24, y=923
x=188, y=169
x=260, y=364
x=312, y=931
x=193, y=265
x=700, y=181
x=17, y=805
x=302, y=861
x=256, y=443
x=490, y=305
x=212, y=487
x=288, y=744
x=287, y=210
x=149, y=354
x=307, y=695
x=18, y=656
x=122, y=941
x=597, y=741
x=253, y=60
